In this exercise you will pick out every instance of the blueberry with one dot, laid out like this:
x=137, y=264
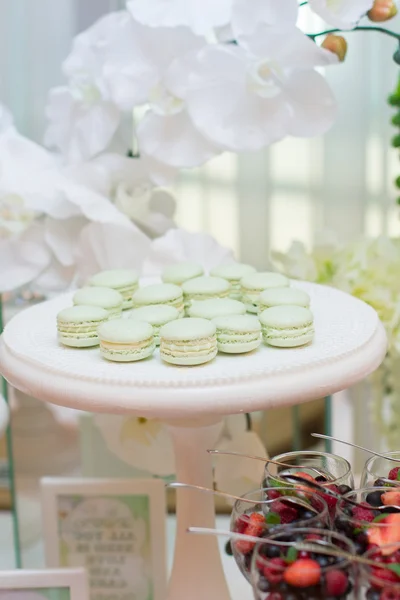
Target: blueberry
x=344, y=489
x=322, y=560
x=263, y=584
x=379, y=483
x=321, y=478
x=373, y=594
x=360, y=548
x=283, y=588
x=228, y=548
x=390, y=509
x=307, y=514
x=374, y=498
x=342, y=524
x=272, y=551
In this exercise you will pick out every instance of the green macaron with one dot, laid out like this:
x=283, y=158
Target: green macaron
x=166, y=294
x=77, y=326
x=157, y=315
x=282, y=296
x=106, y=298
x=181, y=272
x=126, y=340
x=205, y=288
x=188, y=342
x=237, y=334
x=252, y=285
x=287, y=326
x=124, y=281
x=233, y=273
x=216, y=307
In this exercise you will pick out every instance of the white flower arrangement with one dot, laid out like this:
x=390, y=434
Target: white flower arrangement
x=152, y=89
x=369, y=270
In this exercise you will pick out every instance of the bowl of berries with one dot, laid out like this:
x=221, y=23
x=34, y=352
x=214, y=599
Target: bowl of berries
x=285, y=568
x=379, y=471
x=381, y=581
x=267, y=510
x=372, y=519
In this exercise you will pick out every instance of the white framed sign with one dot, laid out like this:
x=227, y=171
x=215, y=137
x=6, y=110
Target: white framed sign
x=114, y=528
x=54, y=584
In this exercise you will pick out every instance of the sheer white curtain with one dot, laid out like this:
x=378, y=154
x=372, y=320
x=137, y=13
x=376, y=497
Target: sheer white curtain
x=343, y=181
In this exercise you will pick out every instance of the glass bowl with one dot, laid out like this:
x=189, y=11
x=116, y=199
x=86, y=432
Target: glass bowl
x=270, y=510
x=376, y=471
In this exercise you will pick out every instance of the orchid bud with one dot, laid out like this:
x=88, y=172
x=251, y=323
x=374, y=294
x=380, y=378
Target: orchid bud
x=382, y=10
x=336, y=44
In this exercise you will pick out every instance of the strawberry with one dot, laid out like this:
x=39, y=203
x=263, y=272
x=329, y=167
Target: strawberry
x=336, y=583
x=389, y=594
x=254, y=527
x=303, y=573
x=363, y=513
x=274, y=571
x=273, y=494
x=330, y=500
x=241, y=523
x=386, y=532
x=304, y=487
x=391, y=497
x=393, y=473
x=286, y=512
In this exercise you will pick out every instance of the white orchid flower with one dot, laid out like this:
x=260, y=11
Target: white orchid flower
x=82, y=123
x=343, y=14
x=6, y=120
x=201, y=17
x=178, y=245
x=245, y=98
x=142, y=443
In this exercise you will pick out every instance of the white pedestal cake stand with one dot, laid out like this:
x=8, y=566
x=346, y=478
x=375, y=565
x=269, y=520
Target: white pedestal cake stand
x=349, y=344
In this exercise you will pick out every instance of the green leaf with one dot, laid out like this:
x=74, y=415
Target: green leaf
x=394, y=100
x=398, y=472
x=397, y=182
x=292, y=554
x=398, y=202
x=358, y=530
x=380, y=518
x=273, y=519
x=396, y=57
x=396, y=119
x=396, y=141
x=395, y=567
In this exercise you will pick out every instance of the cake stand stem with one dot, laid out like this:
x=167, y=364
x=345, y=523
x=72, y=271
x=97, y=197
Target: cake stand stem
x=197, y=572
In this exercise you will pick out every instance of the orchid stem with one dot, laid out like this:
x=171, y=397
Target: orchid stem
x=361, y=28
x=303, y=4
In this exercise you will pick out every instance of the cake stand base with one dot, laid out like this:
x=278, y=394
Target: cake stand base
x=197, y=572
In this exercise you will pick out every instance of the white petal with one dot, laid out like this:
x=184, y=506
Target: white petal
x=61, y=237
x=287, y=47
x=343, y=14
x=22, y=258
x=104, y=246
x=270, y=13
x=312, y=104
x=178, y=245
x=174, y=140
x=157, y=458
x=201, y=17
x=55, y=279
x=79, y=129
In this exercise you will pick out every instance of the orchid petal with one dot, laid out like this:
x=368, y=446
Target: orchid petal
x=343, y=14
x=269, y=13
x=201, y=17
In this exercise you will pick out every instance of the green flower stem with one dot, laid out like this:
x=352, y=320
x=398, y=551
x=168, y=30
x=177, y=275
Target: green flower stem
x=362, y=28
x=303, y=3
x=13, y=493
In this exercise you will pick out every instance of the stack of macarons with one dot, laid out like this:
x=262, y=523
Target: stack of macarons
x=191, y=316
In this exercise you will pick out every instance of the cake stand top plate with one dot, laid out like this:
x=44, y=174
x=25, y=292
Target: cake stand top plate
x=349, y=344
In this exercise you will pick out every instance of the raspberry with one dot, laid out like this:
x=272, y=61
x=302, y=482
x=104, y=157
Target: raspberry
x=273, y=494
x=274, y=571
x=303, y=573
x=393, y=473
x=388, y=594
x=336, y=583
x=313, y=537
x=287, y=513
x=362, y=513
x=274, y=596
x=384, y=576
x=242, y=523
x=330, y=500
